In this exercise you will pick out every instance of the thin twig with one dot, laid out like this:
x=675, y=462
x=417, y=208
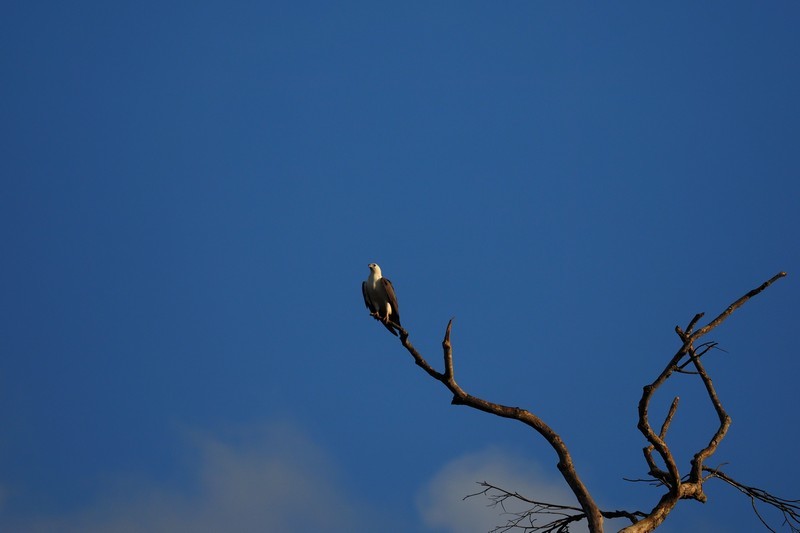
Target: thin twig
x=790, y=509
x=527, y=520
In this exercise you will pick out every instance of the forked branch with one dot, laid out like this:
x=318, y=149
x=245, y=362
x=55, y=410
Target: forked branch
x=692, y=486
x=461, y=397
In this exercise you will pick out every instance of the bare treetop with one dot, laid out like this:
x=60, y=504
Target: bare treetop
x=662, y=466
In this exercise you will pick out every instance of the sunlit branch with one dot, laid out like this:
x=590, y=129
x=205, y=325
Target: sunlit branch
x=461, y=397
x=692, y=486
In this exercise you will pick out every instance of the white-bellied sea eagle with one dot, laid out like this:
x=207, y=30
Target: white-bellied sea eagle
x=380, y=299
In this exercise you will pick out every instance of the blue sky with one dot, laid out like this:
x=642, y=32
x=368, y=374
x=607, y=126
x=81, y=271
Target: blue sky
x=193, y=191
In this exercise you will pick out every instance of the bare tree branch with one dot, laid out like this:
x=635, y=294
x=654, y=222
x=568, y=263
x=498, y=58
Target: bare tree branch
x=724, y=423
x=692, y=487
x=678, y=487
x=461, y=397
x=734, y=306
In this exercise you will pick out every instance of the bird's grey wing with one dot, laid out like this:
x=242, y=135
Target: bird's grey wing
x=387, y=285
x=367, y=300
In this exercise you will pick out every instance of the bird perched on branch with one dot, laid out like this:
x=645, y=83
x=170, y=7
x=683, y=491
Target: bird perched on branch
x=380, y=299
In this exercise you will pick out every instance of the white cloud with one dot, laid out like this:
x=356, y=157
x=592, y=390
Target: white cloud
x=277, y=481
x=443, y=507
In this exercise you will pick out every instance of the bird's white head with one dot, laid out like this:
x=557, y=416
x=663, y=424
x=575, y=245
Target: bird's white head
x=375, y=270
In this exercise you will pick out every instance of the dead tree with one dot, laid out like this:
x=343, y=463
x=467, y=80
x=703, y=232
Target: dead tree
x=662, y=466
